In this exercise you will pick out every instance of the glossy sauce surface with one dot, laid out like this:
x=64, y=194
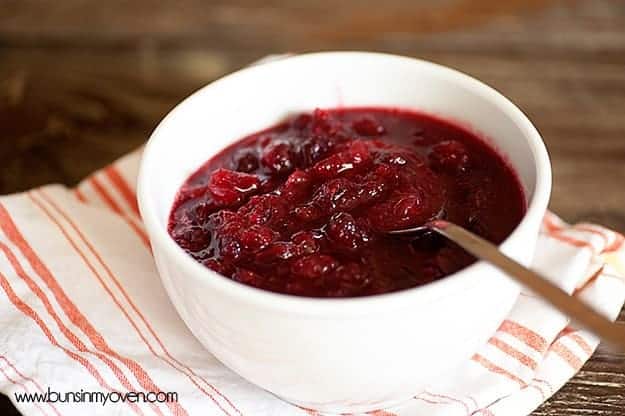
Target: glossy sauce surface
x=302, y=207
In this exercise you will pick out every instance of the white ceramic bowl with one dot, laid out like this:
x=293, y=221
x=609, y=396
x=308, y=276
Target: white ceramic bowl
x=339, y=355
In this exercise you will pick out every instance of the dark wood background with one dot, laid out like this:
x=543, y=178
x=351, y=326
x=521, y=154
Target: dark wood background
x=83, y=82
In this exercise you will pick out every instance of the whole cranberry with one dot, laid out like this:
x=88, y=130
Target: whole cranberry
x=264, y=209
x=313, y=149
x=333, y=166
x=297, y=185
x=257, y=237
x=280, y=250
x=402, y=210
x=355, y=157
x=314, y=266
x=308, y=213
x=307, y=241
x=372, y=191
x=279, y=158
x=229, y=187
x=409, y=207
x=346, y=233
x=192, y=238
x=231, y=250
x=337, y=195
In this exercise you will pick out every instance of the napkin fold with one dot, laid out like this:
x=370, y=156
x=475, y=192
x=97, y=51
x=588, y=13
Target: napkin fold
x=84, y=318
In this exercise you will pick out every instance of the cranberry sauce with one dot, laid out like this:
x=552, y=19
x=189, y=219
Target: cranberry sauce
x=302, y=208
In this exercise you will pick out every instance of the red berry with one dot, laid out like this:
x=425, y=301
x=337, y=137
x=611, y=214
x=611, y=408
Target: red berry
x=333, y=166
x=280, y=250
x=354, y=158
x=257, y=237
x=308, y=212
x=190, y=237
x=229, y=187
x=336, y=195
x=313, y=150
x=372, y=191
x=346, y=233
x=231, y=251
x=279, y=158
x=307, y=241
x=264, y=209
x=297, y=185
x=408, y=208
x=314, y=266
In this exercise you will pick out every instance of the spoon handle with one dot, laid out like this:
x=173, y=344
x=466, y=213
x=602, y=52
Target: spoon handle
x=611, y=332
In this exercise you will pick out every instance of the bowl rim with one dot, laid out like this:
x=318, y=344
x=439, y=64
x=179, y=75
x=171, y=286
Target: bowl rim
x=457, y=281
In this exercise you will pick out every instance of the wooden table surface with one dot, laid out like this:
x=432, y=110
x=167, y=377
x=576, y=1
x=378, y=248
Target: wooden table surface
x=81, y=83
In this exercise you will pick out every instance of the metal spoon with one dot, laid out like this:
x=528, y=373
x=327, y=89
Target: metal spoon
x=611, y=332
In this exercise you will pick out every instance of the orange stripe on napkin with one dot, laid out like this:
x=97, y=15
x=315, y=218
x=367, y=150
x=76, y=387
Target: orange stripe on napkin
x=73, y=313
x=526, y=335
x=28, y=311
x=103, y=193
x=582, y=343
x=79, y=195
x=138, y=230
x=123, y=188
x=555, y=231
x=64, y=329
x=589, y=229
x=567, y=355
x=616, y=245
x=497, y=370
x=514, y=353
x=587, y=283
x=311, y=412
x=607, y=235
x=381, y=413
x=573, y=334
x=108, y=199
x=126, y=297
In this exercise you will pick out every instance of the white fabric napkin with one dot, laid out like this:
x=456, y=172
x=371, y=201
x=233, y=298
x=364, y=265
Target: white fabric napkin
x=83, y=312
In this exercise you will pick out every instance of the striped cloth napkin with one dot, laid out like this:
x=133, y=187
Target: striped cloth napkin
x=83, y=312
